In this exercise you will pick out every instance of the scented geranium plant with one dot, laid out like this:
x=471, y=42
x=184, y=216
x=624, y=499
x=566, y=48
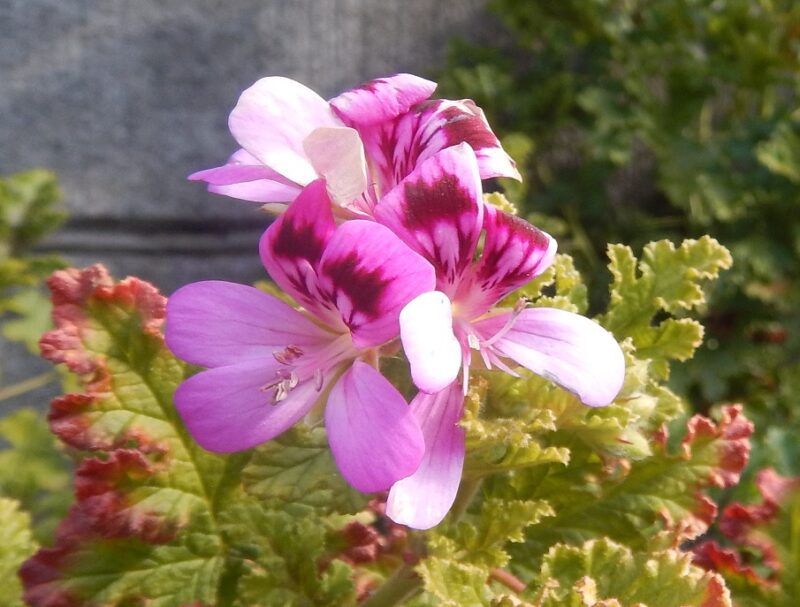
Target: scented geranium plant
x=416, y=410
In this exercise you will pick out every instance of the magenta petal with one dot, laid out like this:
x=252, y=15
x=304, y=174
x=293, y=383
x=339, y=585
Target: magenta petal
x=271, y=120
x=381, y=99
x=569, y=349
x=368, y=274
x=217, y=323
x=292, y=246
x=514, y=253
x=423, y=499
x=373, y=434
x=449, y=123
x=433, y=352
x=226, y=409
x=437, y=210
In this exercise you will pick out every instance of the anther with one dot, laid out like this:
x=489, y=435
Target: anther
x=287, y=355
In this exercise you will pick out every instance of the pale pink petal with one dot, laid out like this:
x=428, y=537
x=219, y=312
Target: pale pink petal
x=432, y=350
x=245, y=178
x=382, y=99
x=261, y=190
x=292, y=246
x=227, y=408
x=271, y=120
x=571, y=350
x=437, y=210
x=513, y=254
x=368, y=274
x=215, y=323
x=373, y=435
x=337, y=155
x=423, y=499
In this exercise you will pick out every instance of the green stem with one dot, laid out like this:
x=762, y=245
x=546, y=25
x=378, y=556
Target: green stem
x=466, y=493
x=402, y=585
x=27, y=385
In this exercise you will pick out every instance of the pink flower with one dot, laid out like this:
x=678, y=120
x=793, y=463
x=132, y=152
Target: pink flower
x=363, y=142
x=438, y=211
x=269, y=364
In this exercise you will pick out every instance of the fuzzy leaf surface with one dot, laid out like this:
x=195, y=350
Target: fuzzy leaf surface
x=602, y=572
x=16, y=544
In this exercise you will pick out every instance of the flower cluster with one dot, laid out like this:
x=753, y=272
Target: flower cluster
x=385, y=242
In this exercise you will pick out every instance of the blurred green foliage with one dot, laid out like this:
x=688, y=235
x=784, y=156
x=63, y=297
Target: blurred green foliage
x=638, y=120
x=33, y=471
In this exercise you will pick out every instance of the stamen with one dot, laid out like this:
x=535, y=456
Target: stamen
x=288, y=355
x=281, y=391
x=521, y=304
x=473, y=341
x=318, y=379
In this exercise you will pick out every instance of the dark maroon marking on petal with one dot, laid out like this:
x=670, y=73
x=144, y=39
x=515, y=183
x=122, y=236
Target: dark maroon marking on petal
x=466, y=125
x=364, y=288
x=301, y=241
x=431, y=204
x=508, y=229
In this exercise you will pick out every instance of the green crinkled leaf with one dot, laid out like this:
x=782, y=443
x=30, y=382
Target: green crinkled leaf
x=283, y=559
x=661, y=498
x=297, y=468
x=33, y=470
x=602, y=572
x=480, y=538
x=666, y=280
x=16, y=544
x=455, y=584
x=512, y=441
x=560, y=286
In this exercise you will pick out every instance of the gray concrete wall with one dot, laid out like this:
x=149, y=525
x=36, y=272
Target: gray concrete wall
x=124, y=98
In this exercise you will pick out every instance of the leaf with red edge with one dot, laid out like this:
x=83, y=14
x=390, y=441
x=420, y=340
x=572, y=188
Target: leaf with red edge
x=144, y=524
x=760, y=556
x=659, y=500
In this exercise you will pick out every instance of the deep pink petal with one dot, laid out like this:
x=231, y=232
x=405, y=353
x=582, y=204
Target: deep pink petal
x=271, y=120
x=446, y=123
x=433, y=352
x=292, y=246
x=423, y=499
x=217, y=323
x=396, y=147
x=226, y=409
x=368, y=274
x=437, y=210
x=337, y=155
x=373, y=434
x=514, y=253
x=569, y=349
x=381, y=99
